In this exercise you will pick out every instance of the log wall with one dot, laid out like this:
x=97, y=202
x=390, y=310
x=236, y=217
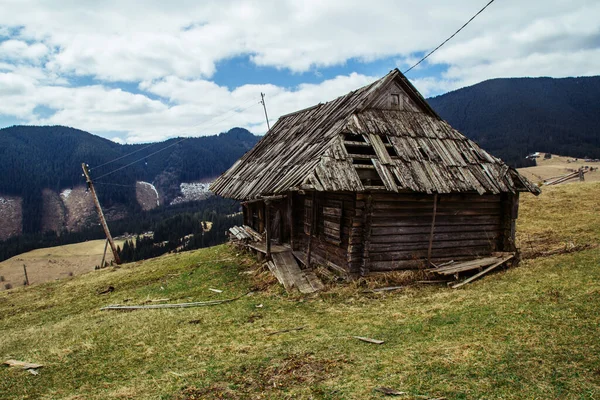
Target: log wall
x=335, y=213
x=371, y=232
x=466, y=226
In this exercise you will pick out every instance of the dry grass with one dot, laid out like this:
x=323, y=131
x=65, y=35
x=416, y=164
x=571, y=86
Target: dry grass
x=558, y=166
x=55, y=262
x=563, y=218
x=529, y=332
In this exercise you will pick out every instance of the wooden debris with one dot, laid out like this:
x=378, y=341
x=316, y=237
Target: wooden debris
x=572, y=175
x=22, y=364
x=109, y=289
x=388, y=288
x=463, y=266
x=157, y=300
x=215, y=290
x=485, y=271
x=369, y=340
x=389, y=391
x=299, y=328
x=287, y=271
x=180, y=305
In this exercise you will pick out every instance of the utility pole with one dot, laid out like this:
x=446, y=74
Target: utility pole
x=262, y=96
x=86, y=172
x=26, y=277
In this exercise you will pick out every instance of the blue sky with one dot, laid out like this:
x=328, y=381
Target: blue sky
x=180, y=68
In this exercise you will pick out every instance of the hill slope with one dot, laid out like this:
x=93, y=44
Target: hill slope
x=529, y=332
x=516, y=116
x=34, y=158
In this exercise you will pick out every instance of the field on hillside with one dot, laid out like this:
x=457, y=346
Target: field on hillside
x=527, y=332
x=558, y=166
x=54, y=262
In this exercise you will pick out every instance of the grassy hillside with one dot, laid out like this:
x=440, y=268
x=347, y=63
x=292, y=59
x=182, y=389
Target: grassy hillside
x=558, y=166
x=55, y=262
x=529, y=332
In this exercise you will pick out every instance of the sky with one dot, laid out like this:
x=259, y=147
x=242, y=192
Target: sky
x=142, y=71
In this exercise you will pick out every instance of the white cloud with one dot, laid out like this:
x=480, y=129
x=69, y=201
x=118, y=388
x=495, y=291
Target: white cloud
x=172, y=50
x=20, y=50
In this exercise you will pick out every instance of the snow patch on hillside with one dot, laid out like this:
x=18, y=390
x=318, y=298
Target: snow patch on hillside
x=147, y=195
x=192, y=192
x=65, y=193
x=153, y=188
x=5, y=201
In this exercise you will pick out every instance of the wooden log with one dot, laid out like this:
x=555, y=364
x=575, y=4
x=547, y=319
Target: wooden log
x=412, y=229
x=437, y=237
x=312, y=224
x=443, y=220
x=367, y=220
x=268, y=233
x=425, y=245
x=290, y=218
x=432, y=228
x=473, y=251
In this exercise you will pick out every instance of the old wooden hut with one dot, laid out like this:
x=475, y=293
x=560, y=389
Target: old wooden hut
x=376, y=181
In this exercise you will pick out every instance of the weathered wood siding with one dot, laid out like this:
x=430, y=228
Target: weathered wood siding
x=466, y=226
x=335, y=214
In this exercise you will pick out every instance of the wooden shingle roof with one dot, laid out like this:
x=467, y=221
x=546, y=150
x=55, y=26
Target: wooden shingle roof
x=354, y=144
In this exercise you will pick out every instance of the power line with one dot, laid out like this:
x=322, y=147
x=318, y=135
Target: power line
x=122, y=157
x=166, y=147
x=154, y=144
x=114, y=184
x=447, y=40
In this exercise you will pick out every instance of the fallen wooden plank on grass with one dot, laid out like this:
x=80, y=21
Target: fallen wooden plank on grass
x=299, y=328
x=388, y=288
x=389, y=391
x=485, y=271
x=22, y=364
x=368, y=340
x=179, y=305
x=215, y=290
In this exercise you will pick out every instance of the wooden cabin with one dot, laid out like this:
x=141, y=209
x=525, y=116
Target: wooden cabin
x=376, y=181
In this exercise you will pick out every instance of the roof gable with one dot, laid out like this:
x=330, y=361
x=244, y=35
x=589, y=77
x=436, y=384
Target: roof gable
x=368, y=140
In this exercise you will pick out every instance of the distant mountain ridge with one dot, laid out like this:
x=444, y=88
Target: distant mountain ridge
x=511, y=117
x=38, y=159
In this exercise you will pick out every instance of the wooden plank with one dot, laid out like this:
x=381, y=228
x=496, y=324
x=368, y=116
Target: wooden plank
x=368, y=340
x=446, y=244
x=437, y=237
x=485, y=271
x=423, y=228
x=290, y=218
x=332, y=211
x=366, y=235
x=291, y=276
x=380, y=149
x=22, y=364
x=311, y=230
x=379, y=221
x=435, y=197
x=472, y=251
x=451, y=269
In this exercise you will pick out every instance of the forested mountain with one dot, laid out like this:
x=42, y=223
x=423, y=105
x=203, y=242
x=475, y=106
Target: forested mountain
x=33, y=158
x=513, y=117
